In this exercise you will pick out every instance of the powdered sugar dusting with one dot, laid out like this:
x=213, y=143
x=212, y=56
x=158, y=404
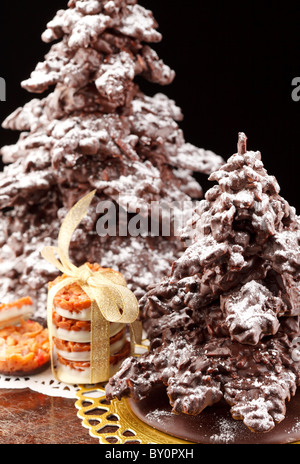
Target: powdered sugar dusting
x=158, y=415
x=227, y=431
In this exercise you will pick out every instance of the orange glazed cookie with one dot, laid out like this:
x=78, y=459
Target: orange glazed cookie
x=10, y=313
x=24, y=348
x=71, y=329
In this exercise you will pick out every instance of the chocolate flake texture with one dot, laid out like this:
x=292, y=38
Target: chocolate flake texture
x=225, y=324
x=94, y=130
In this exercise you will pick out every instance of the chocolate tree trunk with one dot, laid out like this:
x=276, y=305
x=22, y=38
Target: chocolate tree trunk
x=95, y=130
x=225, y=324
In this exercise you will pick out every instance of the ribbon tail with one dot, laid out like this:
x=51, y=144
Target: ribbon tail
x=136, y=331
x=100, y=341
x=48, y=253
x=117, y=303
x=72, y=220
x=100, y=346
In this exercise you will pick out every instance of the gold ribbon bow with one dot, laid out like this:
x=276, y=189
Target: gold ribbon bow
x=111, y=300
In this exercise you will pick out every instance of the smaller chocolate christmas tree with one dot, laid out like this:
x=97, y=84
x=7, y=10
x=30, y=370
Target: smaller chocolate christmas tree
x=223, y=325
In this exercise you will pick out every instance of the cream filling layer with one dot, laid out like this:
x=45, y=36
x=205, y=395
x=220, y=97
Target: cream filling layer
x=67, y=374
x=86, y=355
x=82, y=336
x=82, y=315
x=74, y=355
x=79, y=336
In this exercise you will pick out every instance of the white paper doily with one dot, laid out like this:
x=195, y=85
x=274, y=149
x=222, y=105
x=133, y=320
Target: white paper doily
x=42, y=383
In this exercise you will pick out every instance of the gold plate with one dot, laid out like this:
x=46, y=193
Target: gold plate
x=114, y=422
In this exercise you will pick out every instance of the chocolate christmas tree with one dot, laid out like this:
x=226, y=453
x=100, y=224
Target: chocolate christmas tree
x=226, y=321
x=94, y=130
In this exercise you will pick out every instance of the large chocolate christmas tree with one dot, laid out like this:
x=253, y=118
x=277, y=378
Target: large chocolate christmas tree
x=226, y=322
x=95, y=129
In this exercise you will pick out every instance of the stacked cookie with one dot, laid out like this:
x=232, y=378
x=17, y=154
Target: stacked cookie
x=71, y=331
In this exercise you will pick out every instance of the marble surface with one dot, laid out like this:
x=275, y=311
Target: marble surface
x=27, y=417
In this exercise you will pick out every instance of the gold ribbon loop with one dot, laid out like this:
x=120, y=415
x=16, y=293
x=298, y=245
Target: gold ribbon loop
x=111, y=300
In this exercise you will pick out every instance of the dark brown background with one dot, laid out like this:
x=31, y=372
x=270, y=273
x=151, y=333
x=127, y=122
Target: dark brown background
x=234, y=70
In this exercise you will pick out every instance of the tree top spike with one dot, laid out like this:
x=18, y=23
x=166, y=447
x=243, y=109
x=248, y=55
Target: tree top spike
x=242, y=143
